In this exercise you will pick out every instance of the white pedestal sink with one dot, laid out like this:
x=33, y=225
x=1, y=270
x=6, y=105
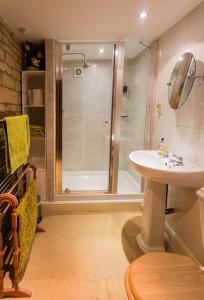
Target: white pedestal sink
x=159, y=172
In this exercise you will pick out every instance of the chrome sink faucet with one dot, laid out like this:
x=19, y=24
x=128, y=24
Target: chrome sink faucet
x=166, y=155
x=178, y=161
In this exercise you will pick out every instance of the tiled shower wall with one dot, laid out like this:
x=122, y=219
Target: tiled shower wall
x=87, y=109
x=134, y=103
x=86, y=116
x=11, y=57
x=183, y=129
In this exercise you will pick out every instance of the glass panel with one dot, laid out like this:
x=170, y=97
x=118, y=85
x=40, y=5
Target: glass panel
x=133, y=114
x=86, y=120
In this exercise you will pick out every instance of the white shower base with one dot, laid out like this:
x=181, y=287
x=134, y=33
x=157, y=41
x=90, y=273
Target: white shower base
x=98, y=181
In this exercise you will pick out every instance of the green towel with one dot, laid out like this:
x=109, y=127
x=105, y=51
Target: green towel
x=18, y=140
x=37, y=131
x=27, y=211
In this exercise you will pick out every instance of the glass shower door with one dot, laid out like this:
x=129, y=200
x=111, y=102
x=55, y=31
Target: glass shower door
x=86, y=116
x=133, y=114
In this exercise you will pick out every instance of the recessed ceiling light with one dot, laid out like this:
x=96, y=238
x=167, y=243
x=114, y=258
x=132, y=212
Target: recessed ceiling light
x=101, y=50
x=143, y=14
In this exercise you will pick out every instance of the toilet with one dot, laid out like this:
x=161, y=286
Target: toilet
x=164, y=276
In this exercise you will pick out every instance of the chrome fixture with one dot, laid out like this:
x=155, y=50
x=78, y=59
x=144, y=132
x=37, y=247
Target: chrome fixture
x=145, y=44
x=192, y=75
x=182, y=79
x=177, y=161
x=86, y=64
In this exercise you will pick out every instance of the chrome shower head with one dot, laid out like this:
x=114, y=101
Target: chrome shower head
x=86, y=64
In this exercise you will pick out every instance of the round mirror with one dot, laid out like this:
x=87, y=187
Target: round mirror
x=181, y=80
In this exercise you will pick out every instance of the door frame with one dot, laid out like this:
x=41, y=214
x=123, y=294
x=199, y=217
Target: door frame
x=117, y=84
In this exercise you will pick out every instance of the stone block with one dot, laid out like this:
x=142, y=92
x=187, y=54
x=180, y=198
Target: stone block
x=5, y=39
x=2, y=54
x=13, y=107
x=18, y=67
x=2, y=107
x=8, y=50
x=16, y=75
x=10, y=60
x=18, y=86
x=14, y=97
x=8, y=81
x=5, y=96
x=4, y=67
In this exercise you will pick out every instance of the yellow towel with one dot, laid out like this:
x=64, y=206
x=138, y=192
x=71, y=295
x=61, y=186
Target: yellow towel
x=27, y=211
x=18, y=139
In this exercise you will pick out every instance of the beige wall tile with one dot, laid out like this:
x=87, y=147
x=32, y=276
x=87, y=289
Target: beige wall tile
x=178, y=38
x=195, y=23
x=183, y=129
x=200, y=151
x=166, y=131
x=86, y=107
x=191, y=113
x=134, y=103
x=187, y=143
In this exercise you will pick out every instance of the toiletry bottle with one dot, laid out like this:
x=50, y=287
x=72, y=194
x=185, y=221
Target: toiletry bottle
x=162, y=148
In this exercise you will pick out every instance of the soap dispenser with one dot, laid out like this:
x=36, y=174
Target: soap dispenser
x=162, y=148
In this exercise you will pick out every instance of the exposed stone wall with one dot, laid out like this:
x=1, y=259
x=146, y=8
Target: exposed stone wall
x=11, y=58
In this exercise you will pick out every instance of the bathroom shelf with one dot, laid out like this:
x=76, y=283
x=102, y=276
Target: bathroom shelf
x=35, y=80
x=36, y=73
x=37, y=138
x=35, y=106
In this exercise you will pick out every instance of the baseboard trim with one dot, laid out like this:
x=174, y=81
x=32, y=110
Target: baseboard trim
x=66, y=207
x=177, y=245
x=95, y=197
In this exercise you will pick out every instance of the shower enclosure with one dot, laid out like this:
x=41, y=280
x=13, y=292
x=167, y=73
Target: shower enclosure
x=101, y=115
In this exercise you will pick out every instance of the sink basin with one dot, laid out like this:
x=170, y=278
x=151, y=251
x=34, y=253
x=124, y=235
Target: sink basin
x=158, y=173
x=153, y=167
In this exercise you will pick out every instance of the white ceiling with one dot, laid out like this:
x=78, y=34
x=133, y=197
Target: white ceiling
x=103, y=20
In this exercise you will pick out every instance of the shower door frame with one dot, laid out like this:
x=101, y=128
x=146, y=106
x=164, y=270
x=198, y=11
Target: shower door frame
x=117, y=83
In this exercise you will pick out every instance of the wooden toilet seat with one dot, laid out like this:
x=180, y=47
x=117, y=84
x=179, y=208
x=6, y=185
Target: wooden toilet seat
x=164, y=276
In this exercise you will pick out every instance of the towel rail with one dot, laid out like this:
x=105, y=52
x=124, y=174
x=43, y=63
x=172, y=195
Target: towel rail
x=15, y=184
x=27, y=166
x=12, y=248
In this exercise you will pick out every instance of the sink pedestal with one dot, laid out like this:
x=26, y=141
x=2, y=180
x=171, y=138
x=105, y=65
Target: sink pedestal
x=151, y=238
x=158, y=173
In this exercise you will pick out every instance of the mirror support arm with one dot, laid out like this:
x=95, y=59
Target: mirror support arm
x=193, y=76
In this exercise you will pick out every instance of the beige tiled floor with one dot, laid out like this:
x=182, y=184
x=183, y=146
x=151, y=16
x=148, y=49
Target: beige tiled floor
x=82, y=256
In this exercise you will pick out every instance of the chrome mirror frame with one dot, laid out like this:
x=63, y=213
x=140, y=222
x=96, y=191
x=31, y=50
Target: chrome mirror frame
x=181, y=81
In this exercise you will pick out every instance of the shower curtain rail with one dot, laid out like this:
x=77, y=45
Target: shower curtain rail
x=12, y=240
